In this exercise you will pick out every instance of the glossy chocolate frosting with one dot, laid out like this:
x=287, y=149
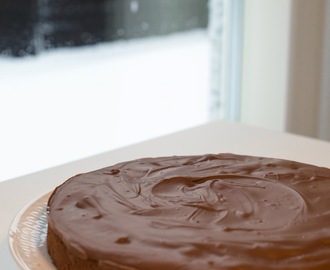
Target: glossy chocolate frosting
x=220, y=211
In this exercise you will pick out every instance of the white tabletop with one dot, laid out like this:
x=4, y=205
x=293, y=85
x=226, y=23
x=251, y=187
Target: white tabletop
x=215, y=137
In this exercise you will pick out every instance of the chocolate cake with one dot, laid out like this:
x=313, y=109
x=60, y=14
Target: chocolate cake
x=208, y=212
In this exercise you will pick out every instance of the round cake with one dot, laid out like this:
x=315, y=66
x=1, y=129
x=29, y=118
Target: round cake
x=207, y=212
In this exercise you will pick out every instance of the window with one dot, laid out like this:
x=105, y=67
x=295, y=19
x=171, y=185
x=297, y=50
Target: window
x=32, y=26
x=83, y=77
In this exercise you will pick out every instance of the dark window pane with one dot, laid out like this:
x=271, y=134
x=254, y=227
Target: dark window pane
x=29, y=26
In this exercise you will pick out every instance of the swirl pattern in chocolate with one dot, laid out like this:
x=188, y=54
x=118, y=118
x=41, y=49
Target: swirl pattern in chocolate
x=221, y=211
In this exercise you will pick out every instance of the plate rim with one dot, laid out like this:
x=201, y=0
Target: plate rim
x=14, y=226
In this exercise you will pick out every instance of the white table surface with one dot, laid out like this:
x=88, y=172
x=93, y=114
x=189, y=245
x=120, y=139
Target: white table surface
x=215, y=137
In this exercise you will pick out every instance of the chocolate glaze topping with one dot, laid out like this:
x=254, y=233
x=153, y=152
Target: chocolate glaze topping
x=198, y=212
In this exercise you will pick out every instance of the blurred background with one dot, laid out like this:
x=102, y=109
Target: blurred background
x=78, y=78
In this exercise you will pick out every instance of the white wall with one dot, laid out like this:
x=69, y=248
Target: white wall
x=266, y=63
x=305, y=77
x=324, y=116
x=286, y=81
